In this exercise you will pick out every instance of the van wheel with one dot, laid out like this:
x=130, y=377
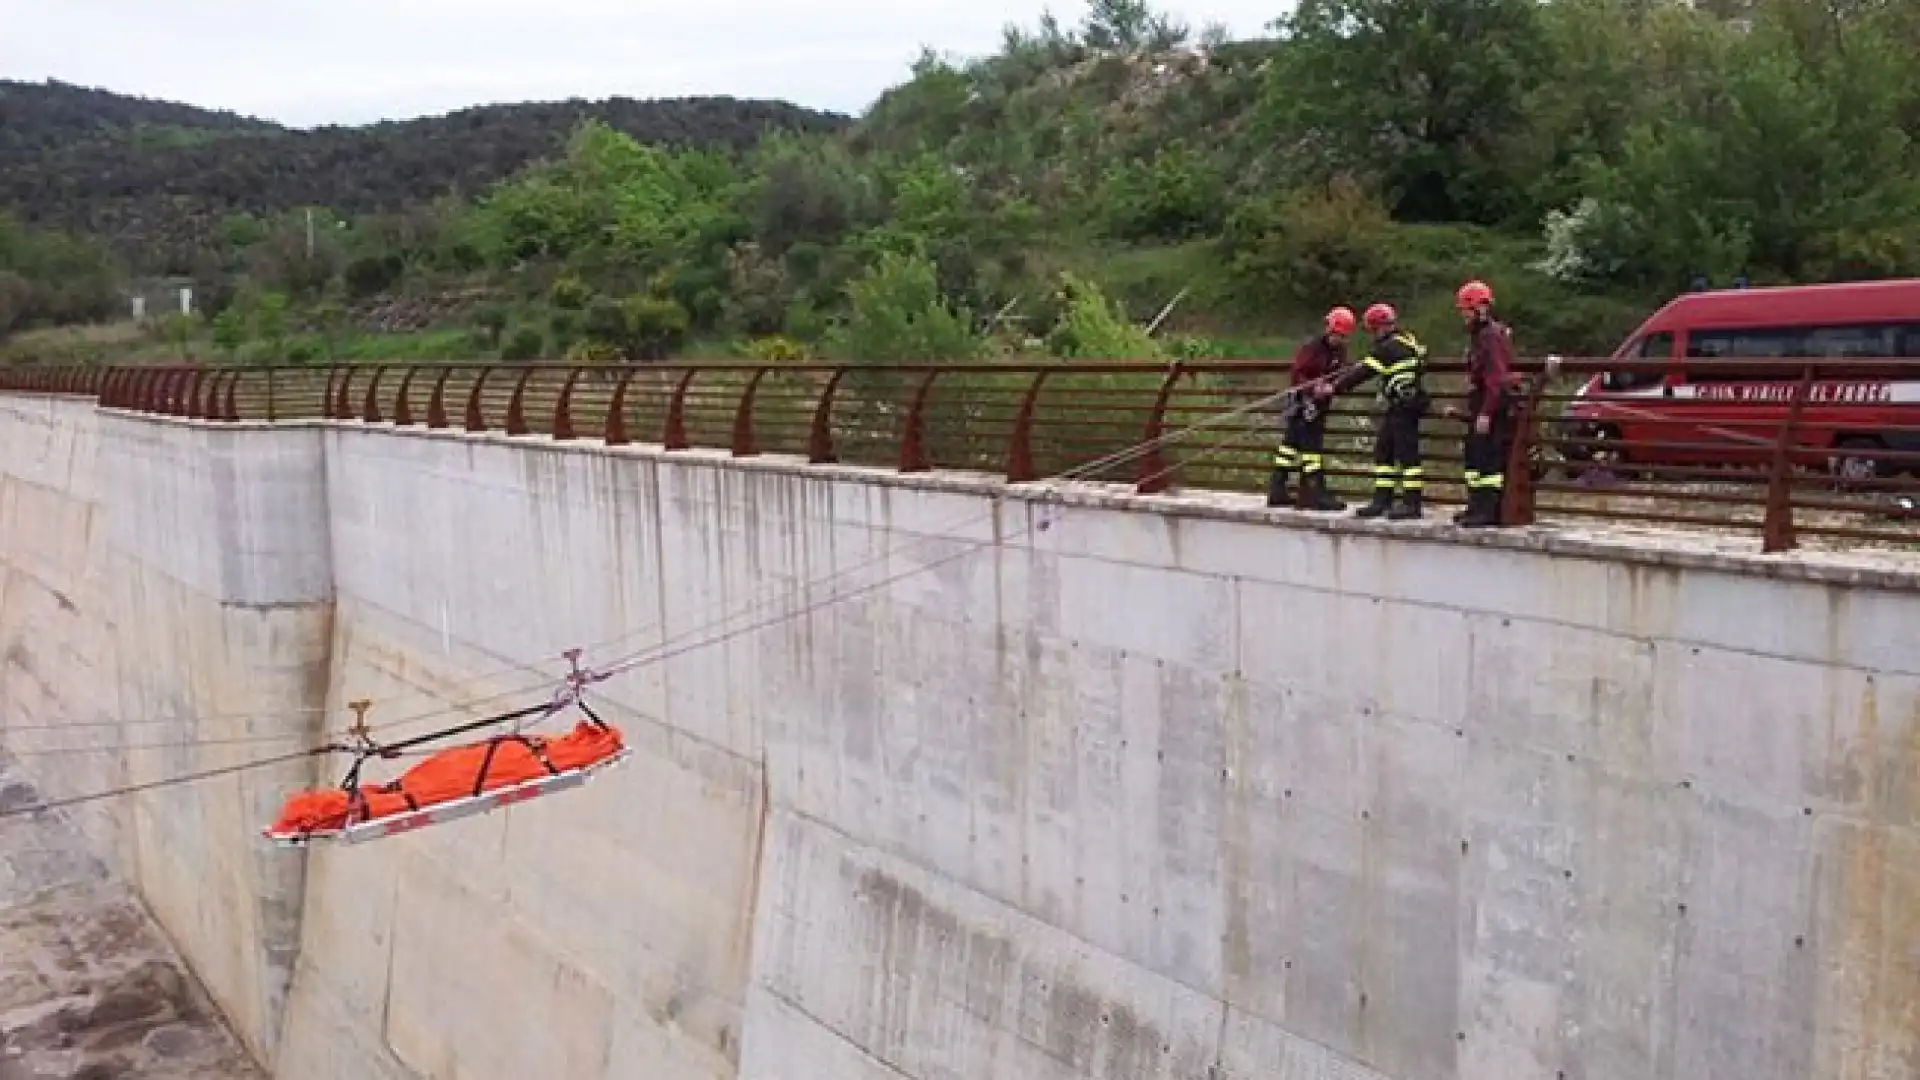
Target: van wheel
x=1606, y=458
x=1861, y=465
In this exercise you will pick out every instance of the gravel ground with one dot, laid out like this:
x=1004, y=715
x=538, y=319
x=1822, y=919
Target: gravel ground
x=89, y=987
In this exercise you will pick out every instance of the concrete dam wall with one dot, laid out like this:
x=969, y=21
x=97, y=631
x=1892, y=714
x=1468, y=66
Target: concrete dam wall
x=936, y=777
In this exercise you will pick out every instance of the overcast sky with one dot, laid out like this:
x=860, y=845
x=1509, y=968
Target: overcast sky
x=308, y=62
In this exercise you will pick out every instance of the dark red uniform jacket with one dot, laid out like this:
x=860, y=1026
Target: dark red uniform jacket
x=1316, y=358
x=1489, y=367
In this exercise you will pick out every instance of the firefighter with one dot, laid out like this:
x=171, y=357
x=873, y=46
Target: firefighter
x=1490, y=411
x=1318, y=359
x=1398, y=360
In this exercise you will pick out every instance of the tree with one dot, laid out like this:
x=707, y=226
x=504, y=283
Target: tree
x=230, y=332
x=1130, y=26
x=896, y=313
x=1424, y=94
x=270, y=324
x=1791, y=165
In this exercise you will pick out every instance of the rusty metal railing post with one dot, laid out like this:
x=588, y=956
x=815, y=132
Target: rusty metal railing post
x=1776, y=532
x=437, y=401
x=820, y=448
x=176, y=403
x=1517, y=501
x=675, y=435
x=615, y=433
x=402, y=408
x=196, y=382
x=273, y=395
x=341, y=410
x=516, y=405
x=370, y=412
x=743, y=444
x=231, y=411
x=476, y=419
x=1155, y=475
x=1020, y=468
x=913, y=439
x=563, y=408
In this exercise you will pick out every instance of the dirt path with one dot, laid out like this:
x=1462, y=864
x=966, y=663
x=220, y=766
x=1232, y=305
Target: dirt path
x=89, y=988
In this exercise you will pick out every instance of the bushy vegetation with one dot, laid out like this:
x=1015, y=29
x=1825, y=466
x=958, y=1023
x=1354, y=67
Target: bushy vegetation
x=1589, y=157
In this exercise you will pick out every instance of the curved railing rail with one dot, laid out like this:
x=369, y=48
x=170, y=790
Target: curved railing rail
x=1794, y=449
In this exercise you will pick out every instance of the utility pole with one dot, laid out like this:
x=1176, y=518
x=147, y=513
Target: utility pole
x=309, y=234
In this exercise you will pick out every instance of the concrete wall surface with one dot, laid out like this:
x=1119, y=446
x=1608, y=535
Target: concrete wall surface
x=938, y=778
x=166, y=610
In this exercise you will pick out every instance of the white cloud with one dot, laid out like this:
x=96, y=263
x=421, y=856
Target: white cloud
x=309, y=62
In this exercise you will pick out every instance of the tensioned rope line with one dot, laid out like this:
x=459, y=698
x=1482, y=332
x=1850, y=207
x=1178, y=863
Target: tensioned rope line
x=679, y=646
x=1108, y=461
x=1100, y=464
x=1096, y=465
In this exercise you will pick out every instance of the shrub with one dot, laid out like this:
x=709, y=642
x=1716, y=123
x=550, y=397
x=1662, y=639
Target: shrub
x=656, y=326
x=1093, y=327
x=896, y=314
x=777, y=349
x=373, y=274
x=1309, y=249
x=525, y=343
x=569, y=294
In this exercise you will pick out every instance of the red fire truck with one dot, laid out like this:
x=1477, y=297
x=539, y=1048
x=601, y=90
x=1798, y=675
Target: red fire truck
x=1718, y=371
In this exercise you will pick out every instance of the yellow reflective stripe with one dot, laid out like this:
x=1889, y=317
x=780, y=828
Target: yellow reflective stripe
x=1286, y=455
x=1486, y=480
x=1373, y=364
x=1311, y=462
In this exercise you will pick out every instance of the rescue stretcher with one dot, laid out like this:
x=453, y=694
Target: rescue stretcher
x=379, y=828
x=464, y=781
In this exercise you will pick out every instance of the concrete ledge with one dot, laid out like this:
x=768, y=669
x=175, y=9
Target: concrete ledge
x=1672, y=549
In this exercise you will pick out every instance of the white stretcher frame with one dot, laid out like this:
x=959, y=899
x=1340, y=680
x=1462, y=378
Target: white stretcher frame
x=441, y=813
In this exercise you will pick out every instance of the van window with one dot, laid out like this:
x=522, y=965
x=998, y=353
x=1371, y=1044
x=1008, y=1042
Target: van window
x=1885, y=339
x=1652, y=347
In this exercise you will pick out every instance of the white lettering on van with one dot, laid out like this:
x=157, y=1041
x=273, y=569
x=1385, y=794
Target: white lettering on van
x=1849, y=393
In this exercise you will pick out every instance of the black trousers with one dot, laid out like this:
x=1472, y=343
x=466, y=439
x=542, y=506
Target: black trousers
x=1396, y=452
x=1305, y=443
x=1486, y=465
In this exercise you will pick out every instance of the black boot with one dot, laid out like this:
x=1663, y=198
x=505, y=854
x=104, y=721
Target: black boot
x=1382, y=502
x=1277, y=495
x=1314, y=494
x=1483, y=509
x=1407, y=509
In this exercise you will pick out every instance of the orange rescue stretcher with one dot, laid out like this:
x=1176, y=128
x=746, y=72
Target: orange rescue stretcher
x=456, y=783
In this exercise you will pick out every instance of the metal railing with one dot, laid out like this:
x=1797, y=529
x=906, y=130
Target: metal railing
x=1793, y=449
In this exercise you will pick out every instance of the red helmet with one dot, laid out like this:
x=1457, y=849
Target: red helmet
x=1340, y=321
x=1474, y=294
x=1380, y=315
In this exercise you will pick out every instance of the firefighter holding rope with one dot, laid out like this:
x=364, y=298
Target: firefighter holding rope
x=1318, y=361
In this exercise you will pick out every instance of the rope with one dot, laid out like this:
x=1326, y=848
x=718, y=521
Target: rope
x=677, y=646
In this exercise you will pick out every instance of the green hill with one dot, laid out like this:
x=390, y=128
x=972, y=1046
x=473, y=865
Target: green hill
x=159, y=178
